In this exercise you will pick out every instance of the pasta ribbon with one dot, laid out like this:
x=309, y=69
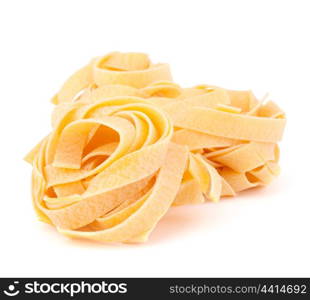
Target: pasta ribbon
x=123, y=69
x=96, y=161
x=227, y=134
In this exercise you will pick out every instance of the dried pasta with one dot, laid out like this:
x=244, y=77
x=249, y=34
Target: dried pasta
x=127, y=143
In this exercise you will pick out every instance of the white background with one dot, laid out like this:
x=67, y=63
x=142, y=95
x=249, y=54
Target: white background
x=263, y=45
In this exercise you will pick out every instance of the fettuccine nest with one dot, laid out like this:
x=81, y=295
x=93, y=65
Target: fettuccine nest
x=128, y=143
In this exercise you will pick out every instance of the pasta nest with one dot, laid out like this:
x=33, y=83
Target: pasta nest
x=128, y=143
